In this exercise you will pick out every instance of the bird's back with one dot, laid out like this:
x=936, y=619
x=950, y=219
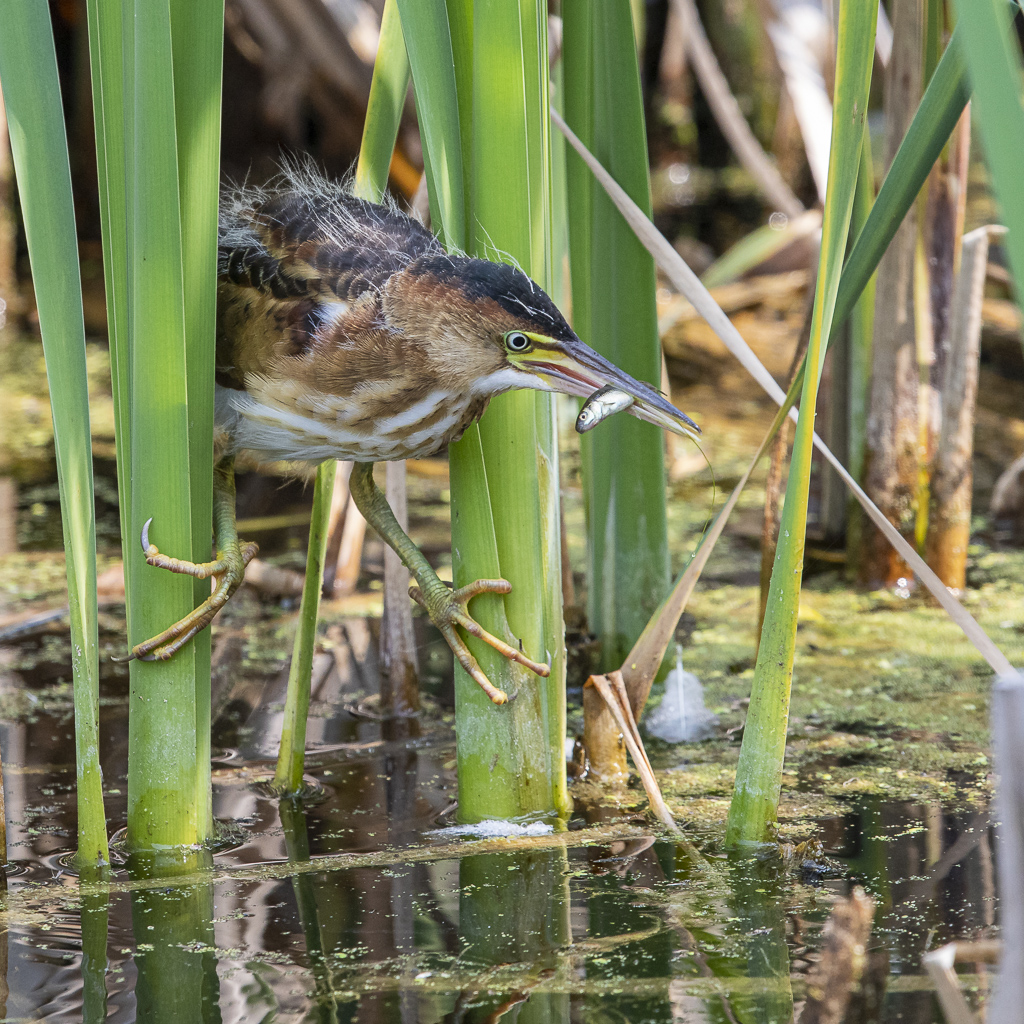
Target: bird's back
x=306, y=236
x=304, y=369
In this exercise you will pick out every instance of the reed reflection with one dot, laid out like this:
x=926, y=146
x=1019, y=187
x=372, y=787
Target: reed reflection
x=175, y=952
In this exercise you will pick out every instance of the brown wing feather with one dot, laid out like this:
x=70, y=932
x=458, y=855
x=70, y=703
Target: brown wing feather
x=295, y=253
x=307, y=236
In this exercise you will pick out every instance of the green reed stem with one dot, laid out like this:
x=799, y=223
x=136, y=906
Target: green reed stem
x=28, y=72
x=162, y=809
x=383, y=115
x=759, y=772
x=504, y=473
x=613, y=281
x=292, y=754
x=197, y=37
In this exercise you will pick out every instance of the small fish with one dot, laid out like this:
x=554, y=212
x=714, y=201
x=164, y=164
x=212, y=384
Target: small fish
x=600, y=405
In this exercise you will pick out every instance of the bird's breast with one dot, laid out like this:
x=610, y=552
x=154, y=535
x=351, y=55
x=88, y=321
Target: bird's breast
x=278, y=422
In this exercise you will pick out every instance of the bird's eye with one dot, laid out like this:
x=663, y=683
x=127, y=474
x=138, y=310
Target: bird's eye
x=516, y=341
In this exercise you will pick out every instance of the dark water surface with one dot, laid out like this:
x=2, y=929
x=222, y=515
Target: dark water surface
x=365, y=906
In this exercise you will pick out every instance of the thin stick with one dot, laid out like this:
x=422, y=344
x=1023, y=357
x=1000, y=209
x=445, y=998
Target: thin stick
x=939, y=964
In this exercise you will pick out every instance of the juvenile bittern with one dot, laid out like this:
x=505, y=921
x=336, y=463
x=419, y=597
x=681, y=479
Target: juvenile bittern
x=345, y=331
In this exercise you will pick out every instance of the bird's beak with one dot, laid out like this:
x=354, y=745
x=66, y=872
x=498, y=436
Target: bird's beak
x=574, y=368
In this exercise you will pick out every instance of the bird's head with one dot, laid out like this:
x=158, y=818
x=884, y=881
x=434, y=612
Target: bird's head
x=489, y=329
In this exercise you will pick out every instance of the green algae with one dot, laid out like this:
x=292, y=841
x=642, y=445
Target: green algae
x=889, y=700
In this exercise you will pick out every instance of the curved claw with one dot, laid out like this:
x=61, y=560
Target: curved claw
x=145, y=536
x=452, y=610
x=228, y=570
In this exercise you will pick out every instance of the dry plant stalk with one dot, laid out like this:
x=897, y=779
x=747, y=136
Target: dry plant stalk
x=603, y=739
x=939, y=964
x=892, y=442
x=949, y=528
x=613, y=692
x=400, y=684
x=335, y=524
x=939, y=256
x=842, y=968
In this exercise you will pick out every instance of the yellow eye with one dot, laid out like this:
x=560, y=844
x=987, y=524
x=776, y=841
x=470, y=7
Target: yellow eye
x=516, y=341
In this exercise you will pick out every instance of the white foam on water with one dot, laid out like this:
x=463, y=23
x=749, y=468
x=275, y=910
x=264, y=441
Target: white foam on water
x=495, y=829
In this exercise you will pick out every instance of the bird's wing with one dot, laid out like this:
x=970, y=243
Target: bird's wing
x=311, y=239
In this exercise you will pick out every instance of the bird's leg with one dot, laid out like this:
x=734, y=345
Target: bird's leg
x=228, y=569
x=446, y=608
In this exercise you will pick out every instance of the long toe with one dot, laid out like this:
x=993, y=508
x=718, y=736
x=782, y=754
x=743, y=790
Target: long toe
x=449, y=609
x=472, y=666
x=229, y=573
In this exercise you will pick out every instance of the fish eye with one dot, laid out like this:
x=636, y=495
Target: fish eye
x=516, y=341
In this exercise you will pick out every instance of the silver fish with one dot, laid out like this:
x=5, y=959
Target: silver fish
x=600, y=405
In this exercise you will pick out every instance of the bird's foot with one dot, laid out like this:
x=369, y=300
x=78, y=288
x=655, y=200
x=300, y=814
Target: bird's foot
x=450, y=608
x=228, y=570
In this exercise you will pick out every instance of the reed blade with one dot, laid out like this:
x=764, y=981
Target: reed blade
x=614, y=311
x=31, y=92
x=481, y=96
x=197, y=41
x=992, y=54
x=759, y=772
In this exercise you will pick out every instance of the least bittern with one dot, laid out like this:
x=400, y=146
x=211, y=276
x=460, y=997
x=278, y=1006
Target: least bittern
x=345, y=331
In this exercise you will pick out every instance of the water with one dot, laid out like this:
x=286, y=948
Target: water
x=361, y=907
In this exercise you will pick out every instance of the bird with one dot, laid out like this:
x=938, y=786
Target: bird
x=345, y=330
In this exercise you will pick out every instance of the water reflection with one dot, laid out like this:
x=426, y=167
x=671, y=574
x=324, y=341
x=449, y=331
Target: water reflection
x=514, y=908
x=174, y=949
x=273, y=929
x=95, y=913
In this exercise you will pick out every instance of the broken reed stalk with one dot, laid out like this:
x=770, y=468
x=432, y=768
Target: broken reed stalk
x=943, y=207
x=349, y=552
x=613, y=692
x=341, y=504
x=891, y=459
x=949, y=526
x=603, y=740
